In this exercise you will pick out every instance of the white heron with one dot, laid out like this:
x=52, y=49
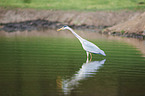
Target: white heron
x=88, y=46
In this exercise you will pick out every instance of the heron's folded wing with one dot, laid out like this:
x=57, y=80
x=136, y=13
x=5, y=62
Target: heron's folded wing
x=90, y=47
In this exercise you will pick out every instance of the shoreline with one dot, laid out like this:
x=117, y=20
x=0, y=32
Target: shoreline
x=45, y=25
x=99, y=21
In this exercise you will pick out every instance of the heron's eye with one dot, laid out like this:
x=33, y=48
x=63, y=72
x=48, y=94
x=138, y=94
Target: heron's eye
x=64, y=26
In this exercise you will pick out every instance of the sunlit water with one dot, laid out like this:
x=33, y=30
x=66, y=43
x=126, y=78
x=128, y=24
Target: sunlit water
x=53, y=65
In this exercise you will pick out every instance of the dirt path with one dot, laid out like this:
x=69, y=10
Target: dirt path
x=98, y=18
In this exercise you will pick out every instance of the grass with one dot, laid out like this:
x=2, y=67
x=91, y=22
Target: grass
x=75, y=4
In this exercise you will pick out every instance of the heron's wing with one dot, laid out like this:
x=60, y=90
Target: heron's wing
x=90, y=47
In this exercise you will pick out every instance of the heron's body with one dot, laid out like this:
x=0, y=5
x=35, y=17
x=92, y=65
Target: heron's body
x=88, y=46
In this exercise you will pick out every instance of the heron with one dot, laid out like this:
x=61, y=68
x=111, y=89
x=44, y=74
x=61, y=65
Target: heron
x=88, y=46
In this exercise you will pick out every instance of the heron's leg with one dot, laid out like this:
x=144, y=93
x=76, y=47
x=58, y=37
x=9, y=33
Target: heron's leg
x=91, y=56
x=87, y=57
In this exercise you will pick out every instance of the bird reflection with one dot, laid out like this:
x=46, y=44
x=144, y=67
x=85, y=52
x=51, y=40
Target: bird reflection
x=87, y=70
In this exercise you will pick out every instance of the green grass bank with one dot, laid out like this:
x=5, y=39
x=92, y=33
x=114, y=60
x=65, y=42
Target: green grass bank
x=89, y=5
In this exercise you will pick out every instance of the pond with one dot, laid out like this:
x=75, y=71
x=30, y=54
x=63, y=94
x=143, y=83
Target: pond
x=53, y=63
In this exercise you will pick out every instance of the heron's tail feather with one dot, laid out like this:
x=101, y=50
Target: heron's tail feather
x=102, y=52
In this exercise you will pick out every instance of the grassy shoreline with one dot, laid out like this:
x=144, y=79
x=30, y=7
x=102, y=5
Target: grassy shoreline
x=90, y=5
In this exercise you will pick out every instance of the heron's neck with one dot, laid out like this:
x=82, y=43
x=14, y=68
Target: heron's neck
x=79, y=37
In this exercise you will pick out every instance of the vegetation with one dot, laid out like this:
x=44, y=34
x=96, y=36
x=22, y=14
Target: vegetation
x=75, y=4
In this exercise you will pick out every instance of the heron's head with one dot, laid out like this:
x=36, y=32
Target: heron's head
x=63, y=28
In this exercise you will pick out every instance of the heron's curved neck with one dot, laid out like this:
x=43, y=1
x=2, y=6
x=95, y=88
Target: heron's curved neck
x=79, y=37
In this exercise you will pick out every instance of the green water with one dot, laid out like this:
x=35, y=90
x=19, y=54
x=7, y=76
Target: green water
x=43, y=66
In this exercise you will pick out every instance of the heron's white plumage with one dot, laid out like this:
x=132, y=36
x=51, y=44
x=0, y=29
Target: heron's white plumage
x=92, y=48
x=87, y=45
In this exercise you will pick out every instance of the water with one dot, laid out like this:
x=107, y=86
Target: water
x=56, y=66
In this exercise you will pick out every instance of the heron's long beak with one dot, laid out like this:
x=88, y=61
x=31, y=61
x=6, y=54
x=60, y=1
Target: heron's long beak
x=60, y=29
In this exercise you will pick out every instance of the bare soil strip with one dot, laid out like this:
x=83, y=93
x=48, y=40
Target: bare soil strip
x=125, y=23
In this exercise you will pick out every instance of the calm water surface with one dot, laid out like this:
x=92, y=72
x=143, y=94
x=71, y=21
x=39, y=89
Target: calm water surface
x=56, y=66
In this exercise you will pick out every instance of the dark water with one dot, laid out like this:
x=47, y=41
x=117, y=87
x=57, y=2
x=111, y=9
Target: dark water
x=46, y=66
